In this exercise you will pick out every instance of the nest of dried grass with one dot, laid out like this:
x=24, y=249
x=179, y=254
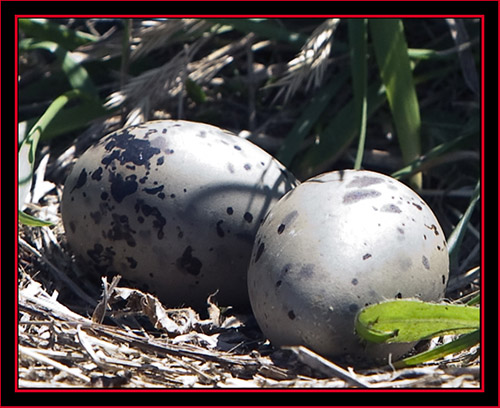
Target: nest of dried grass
x=73, y=336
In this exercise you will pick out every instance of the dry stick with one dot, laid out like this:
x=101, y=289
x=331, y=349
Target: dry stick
x=317, y=362
x=59, y=274
x=61, y=367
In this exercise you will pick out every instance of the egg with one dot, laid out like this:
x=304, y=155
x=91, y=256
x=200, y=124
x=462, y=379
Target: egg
x=335, y=244
x=173, y=207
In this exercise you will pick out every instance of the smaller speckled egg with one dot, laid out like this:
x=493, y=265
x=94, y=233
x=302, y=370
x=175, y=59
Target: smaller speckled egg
x=172, y=206
x=334, y=244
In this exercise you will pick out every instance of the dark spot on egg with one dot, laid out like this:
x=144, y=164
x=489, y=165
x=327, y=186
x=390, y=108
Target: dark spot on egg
x=364, y=181
x=390, y=208
x=121, y=188
x=104, y=195
x=188, y=262
x=121, y=230
x=132, y=262
x=354, y=282
x=82, y=179
x=160, y=160
x=153, y=190
x=220, y=231
x=307, y=271
x=72, y=227
x=229, y=210
x=355, y=196
x=96, y=216
x=425, y=262
x=366, y=256
x=97, y=175
x=260, y=250
x=237, y=147
x=398, y=296
x=248, y=217
x=278, y=283
x=443, y=279
x=289, y=218
x=291, y=315
x=159, y=221
x=418, y=206
x=247, y=166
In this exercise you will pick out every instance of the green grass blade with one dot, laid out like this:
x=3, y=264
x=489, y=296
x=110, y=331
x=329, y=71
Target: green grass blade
x=404, y=321
x=391, y=52
x=27, y=150
x=318, y=103
x=77, y=75
x=72, y=118
x=429, y=159
x=46, y=30
x=31, y=221
x=462, y=343
x=357, y=40
x=455, y=239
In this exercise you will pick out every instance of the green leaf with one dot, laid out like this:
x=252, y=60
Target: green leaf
x=405, y=321
x=357, y=39
x=43, y=29
x=391, y=52
x=31, y=221
x=77, y=75
x=195, y=91
x=27, y=150
x=462, y=343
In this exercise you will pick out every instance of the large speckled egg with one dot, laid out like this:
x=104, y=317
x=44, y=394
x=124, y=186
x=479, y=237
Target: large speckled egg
x=172, y=206
x=334, y=244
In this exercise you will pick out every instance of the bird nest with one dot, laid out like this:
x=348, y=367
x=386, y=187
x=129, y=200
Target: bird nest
x=77, y=333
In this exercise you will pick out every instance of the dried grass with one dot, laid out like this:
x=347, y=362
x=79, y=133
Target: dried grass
x=75, y=334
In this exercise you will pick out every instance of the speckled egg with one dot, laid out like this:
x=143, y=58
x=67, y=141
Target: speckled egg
x=334, y=244
x=172, y=206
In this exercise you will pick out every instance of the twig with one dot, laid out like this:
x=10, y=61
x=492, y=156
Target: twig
x=58, y=274
x=319, y=363
x=61, y=367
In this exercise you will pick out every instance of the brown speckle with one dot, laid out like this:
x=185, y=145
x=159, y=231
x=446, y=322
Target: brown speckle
x=366, y=256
